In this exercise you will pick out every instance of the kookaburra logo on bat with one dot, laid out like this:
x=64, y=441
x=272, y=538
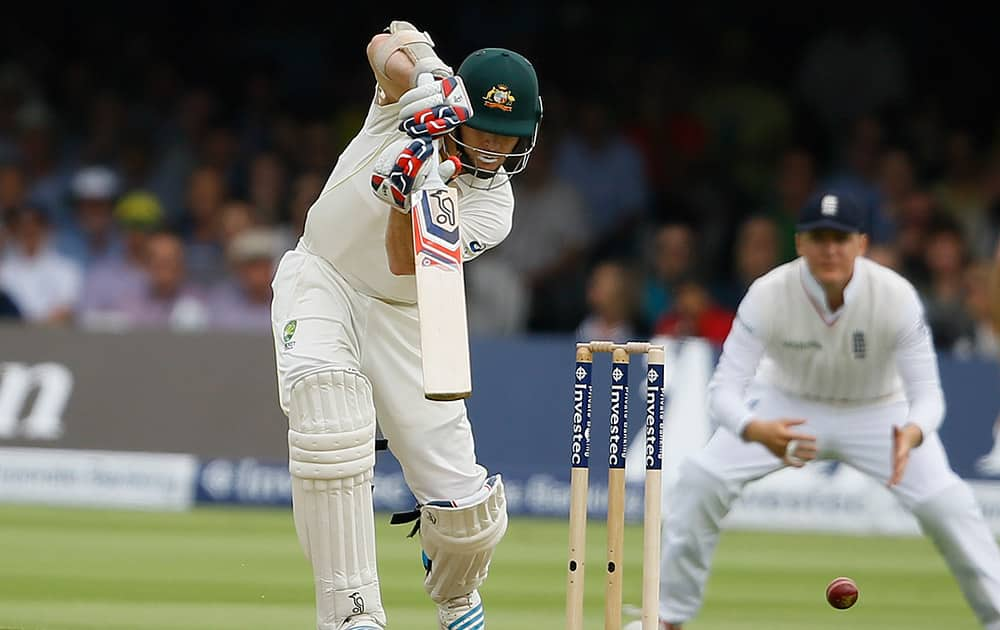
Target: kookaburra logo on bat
x=445, y=214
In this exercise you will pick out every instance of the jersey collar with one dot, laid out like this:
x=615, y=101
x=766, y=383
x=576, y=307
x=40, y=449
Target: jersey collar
x=816, y=294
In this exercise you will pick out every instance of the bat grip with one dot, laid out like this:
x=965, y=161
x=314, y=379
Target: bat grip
x=433, y=179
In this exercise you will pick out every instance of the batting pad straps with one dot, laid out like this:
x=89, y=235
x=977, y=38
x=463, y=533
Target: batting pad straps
x=334, y=456
x=459, y=542
x=417, y=45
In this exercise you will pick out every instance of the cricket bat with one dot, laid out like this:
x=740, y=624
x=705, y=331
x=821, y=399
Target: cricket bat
x=437, y=250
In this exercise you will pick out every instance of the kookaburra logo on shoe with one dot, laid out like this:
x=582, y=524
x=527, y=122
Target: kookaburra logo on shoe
x=359, y=603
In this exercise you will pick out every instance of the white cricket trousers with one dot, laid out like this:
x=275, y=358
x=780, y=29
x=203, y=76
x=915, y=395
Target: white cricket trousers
x=859, y=436
x=338, y=328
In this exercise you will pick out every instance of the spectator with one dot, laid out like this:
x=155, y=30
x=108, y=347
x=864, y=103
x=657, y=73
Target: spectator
x=235, y=217
x=498, y=301
x=92, y=238
x=943, y=295
x=317, y=151
x=896, y=182
x=994, y=292
x=991, y=187
x=44, y=284
x=169, y=299
x=608, y=171
x=207, y=192
x=548, y=243
x=113, y=283
x=268, y=188
x=306, y=189
x=37, y=147
x=8, y=310
x=695, y=314
x=857, y=174
x=105, y=128
x=178, y=160
x=796, y=183
x=960, y=193
x=757, y=252
x=244, y=302
x=673, y=260
x=916, y=215
x=982, y=340
x=13, y=187
x=611, y=299
x=886, y=255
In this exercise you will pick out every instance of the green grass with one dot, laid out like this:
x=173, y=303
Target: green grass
x=228, y=569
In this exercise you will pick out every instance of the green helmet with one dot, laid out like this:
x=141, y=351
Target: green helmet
x=504, y=92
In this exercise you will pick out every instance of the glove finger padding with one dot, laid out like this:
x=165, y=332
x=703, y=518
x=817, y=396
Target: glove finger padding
x=435, y=121
x=449, y=91
x=399, y=170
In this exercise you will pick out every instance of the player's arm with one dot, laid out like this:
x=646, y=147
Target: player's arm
x=916, y=363
x=741, y=355
x=398, y=55
x=918, y=369
x=399, y=244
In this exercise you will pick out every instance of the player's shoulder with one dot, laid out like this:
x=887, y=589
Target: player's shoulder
x=475, y=192
x=885, y=280
x=776, y=279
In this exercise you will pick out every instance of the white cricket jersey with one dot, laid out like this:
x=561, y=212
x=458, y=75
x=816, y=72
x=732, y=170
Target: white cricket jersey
x=874, y=349
x=346, y=225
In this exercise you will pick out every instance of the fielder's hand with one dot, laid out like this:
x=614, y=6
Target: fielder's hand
x=399, y=170
x=429, y=94
x=903, y=441
x=795, y=449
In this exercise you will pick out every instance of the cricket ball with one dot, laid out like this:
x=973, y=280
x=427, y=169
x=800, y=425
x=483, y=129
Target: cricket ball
x=842, y=593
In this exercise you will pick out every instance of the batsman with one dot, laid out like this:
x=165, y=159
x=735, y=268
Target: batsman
x=347, y=336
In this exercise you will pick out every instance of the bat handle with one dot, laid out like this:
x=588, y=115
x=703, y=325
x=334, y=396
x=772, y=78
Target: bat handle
x=434, y=161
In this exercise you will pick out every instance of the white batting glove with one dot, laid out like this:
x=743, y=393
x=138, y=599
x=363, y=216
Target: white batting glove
x=449, y=92
x=401, y=168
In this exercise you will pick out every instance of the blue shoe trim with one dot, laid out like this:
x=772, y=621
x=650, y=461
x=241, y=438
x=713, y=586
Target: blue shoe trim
x=470, y=620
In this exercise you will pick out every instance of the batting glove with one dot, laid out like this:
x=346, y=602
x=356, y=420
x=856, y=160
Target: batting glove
x=435, y=121
x=399, y=170
x=449, y=92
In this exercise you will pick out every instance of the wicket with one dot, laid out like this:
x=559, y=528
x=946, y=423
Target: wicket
x=579, y=481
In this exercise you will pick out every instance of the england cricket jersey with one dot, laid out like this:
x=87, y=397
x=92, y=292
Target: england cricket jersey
x=874, y=349
x=346, y=225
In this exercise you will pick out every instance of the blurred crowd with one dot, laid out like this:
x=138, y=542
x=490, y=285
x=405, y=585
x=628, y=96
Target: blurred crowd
x=158, y=201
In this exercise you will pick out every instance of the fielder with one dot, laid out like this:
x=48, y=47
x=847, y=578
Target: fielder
x=346, y=334
x=843, y=368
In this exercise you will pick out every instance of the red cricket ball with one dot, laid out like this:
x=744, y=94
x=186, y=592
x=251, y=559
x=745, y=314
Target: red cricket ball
x=842, y=593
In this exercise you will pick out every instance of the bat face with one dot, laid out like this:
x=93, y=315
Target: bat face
x=436, y=238
x=444, y=330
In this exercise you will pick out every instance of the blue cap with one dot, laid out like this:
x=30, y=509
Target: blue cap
x=831, y=211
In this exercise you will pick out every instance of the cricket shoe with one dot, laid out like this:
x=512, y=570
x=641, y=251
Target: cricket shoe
x=362, y=622
x=462, y=613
